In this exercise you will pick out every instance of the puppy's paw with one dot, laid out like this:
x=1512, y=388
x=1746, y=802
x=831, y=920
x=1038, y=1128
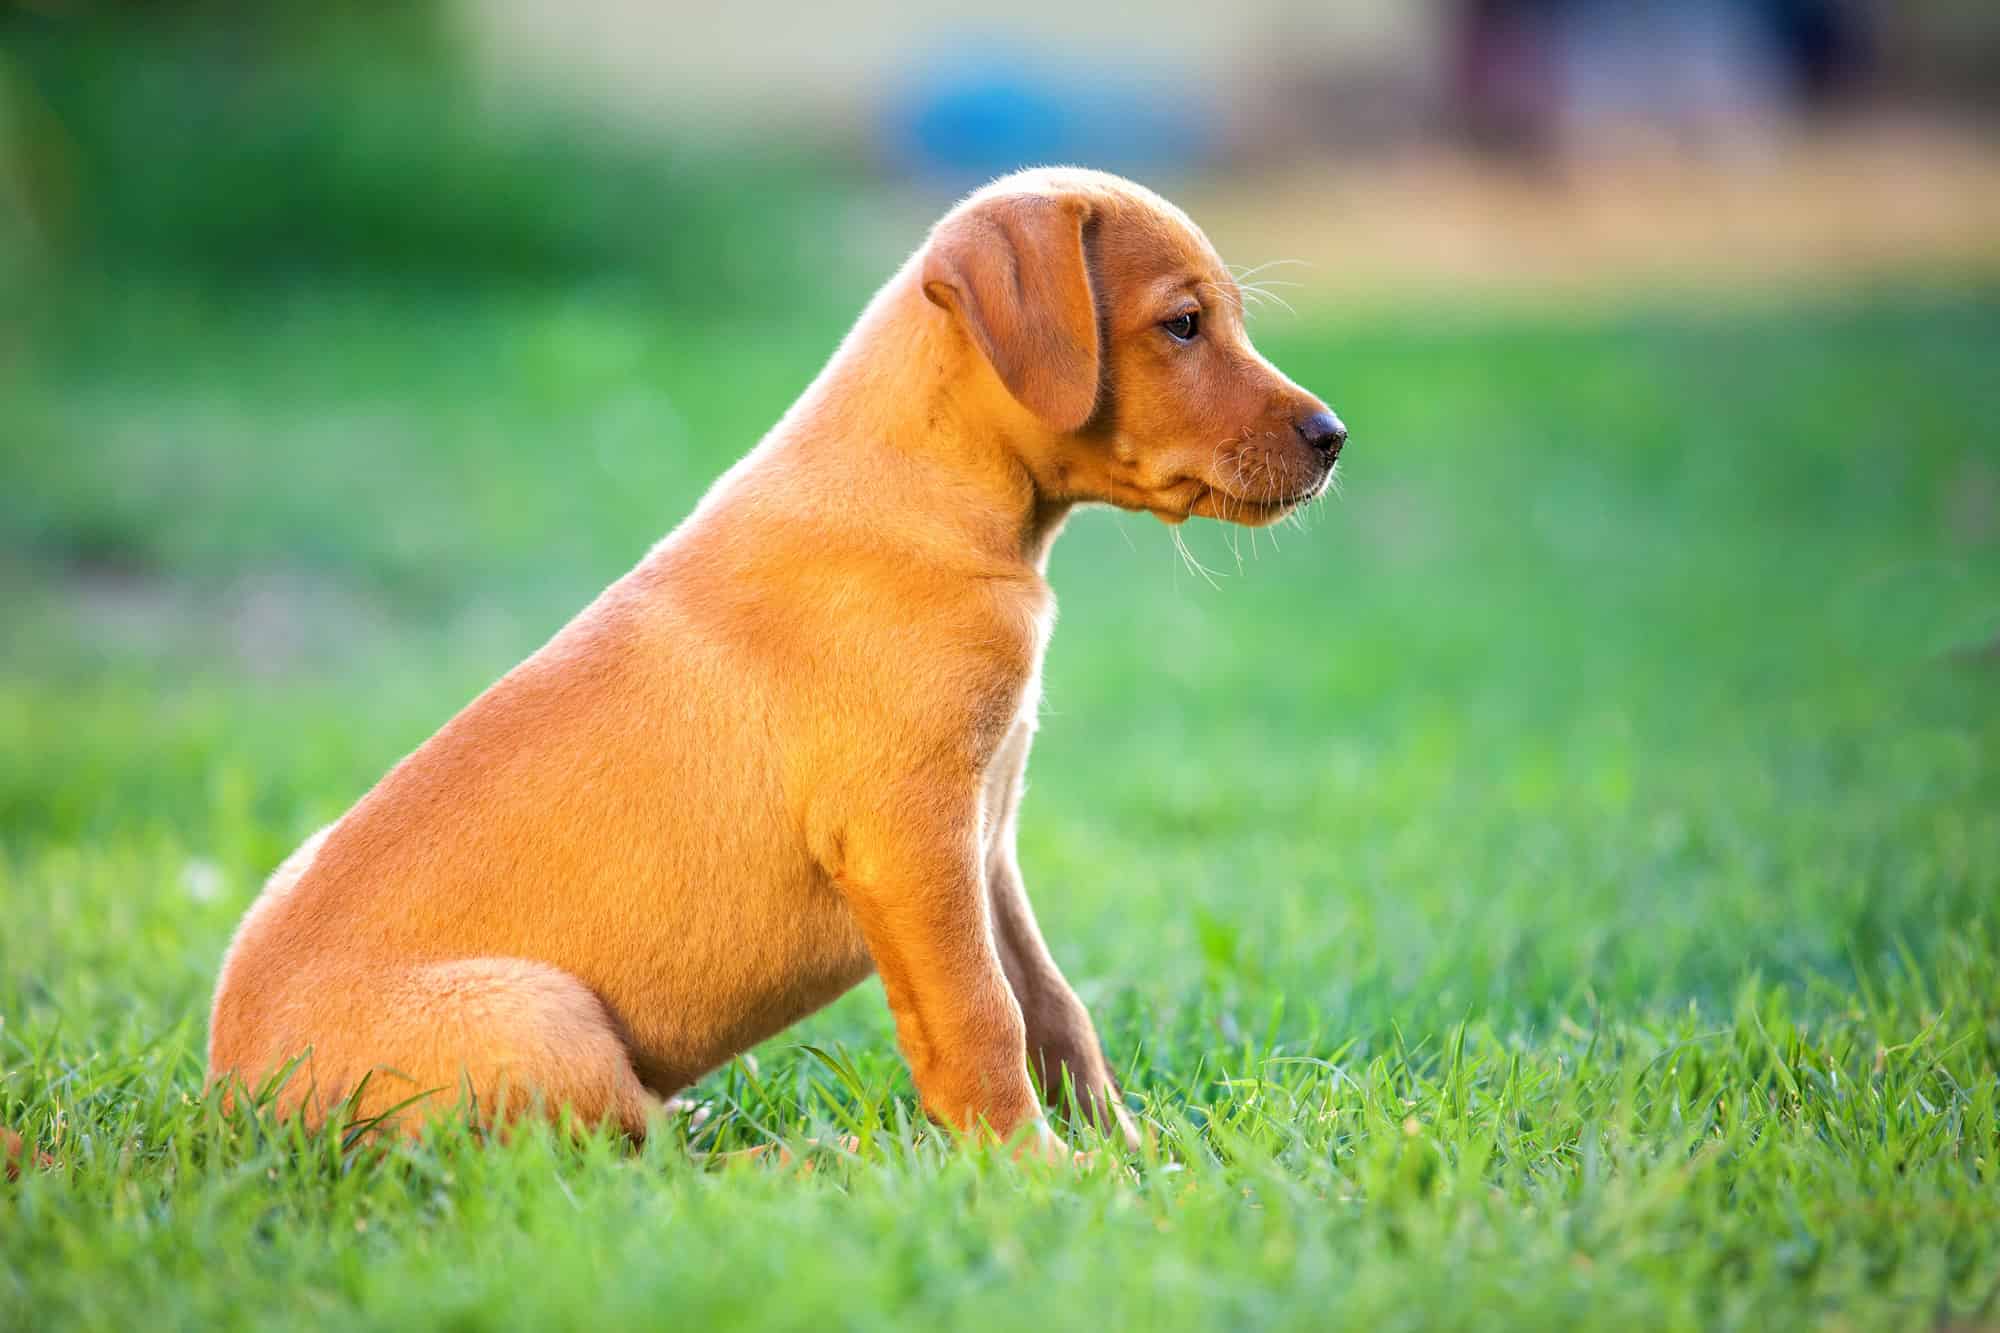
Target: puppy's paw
x=781, y=1154
x=697, y=1113
x=1038, y=1142
x=1043, y=1144
x=14, y=1155
x=1104, y=1107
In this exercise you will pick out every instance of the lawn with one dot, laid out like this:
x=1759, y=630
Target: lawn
x=1560, y=886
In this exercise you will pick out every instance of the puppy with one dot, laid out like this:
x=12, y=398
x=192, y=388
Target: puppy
x=787, y=749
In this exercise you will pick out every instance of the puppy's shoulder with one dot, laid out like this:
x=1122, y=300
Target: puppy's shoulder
x=990, y=625
x=942, y=648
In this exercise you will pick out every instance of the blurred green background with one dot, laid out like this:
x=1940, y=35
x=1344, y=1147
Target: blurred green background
x=1558, y=884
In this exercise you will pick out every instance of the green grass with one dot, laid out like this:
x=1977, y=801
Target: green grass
x=1560, y=888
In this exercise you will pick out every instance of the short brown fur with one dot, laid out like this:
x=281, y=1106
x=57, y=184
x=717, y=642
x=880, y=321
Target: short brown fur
x=788, y=747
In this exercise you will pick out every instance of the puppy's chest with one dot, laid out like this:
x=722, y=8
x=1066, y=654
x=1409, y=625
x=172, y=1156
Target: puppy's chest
x=1018, y=705
x=1003, y=777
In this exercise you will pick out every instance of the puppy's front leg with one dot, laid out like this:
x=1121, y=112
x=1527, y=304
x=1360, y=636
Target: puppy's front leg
x=1063, y=1048
x=917, y=889
x=1062, y=1043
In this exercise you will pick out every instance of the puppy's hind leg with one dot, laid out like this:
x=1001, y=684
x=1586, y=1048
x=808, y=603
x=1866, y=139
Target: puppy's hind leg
x=501, y=1036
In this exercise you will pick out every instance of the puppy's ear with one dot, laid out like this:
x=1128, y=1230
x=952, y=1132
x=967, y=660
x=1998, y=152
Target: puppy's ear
x=1013, y=270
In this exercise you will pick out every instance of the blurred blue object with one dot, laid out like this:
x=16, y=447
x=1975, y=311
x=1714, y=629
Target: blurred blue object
x=974, y=110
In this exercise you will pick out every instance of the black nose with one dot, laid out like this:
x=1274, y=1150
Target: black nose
x=1323, y=431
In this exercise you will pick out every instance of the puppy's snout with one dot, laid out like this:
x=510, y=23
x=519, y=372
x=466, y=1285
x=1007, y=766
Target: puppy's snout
x=1323, y=431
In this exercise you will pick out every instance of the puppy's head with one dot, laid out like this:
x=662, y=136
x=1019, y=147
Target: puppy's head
x=1107, y=319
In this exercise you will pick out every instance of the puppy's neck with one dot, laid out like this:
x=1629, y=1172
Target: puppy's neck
x=908, y=403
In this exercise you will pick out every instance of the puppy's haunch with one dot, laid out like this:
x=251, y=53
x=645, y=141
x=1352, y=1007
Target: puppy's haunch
x=787, y=748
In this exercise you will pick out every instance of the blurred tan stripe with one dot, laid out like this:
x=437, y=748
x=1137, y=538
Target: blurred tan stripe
x=1883, y=199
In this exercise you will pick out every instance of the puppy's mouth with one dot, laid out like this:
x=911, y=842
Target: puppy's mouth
x=1220, y=503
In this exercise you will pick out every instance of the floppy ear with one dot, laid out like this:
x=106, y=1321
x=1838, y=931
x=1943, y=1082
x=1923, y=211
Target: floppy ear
x=1014, y=272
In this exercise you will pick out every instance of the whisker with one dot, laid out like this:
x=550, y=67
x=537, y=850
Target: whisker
x=1268, y=296
x=1235, y=299
x=1194, y=566
x=1232, y=535
x=1241, y=273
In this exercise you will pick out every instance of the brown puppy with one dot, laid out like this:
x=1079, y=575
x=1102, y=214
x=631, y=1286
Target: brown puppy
x=786, y=749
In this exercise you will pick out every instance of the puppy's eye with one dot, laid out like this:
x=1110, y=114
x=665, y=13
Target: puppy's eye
x=1183, y=328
